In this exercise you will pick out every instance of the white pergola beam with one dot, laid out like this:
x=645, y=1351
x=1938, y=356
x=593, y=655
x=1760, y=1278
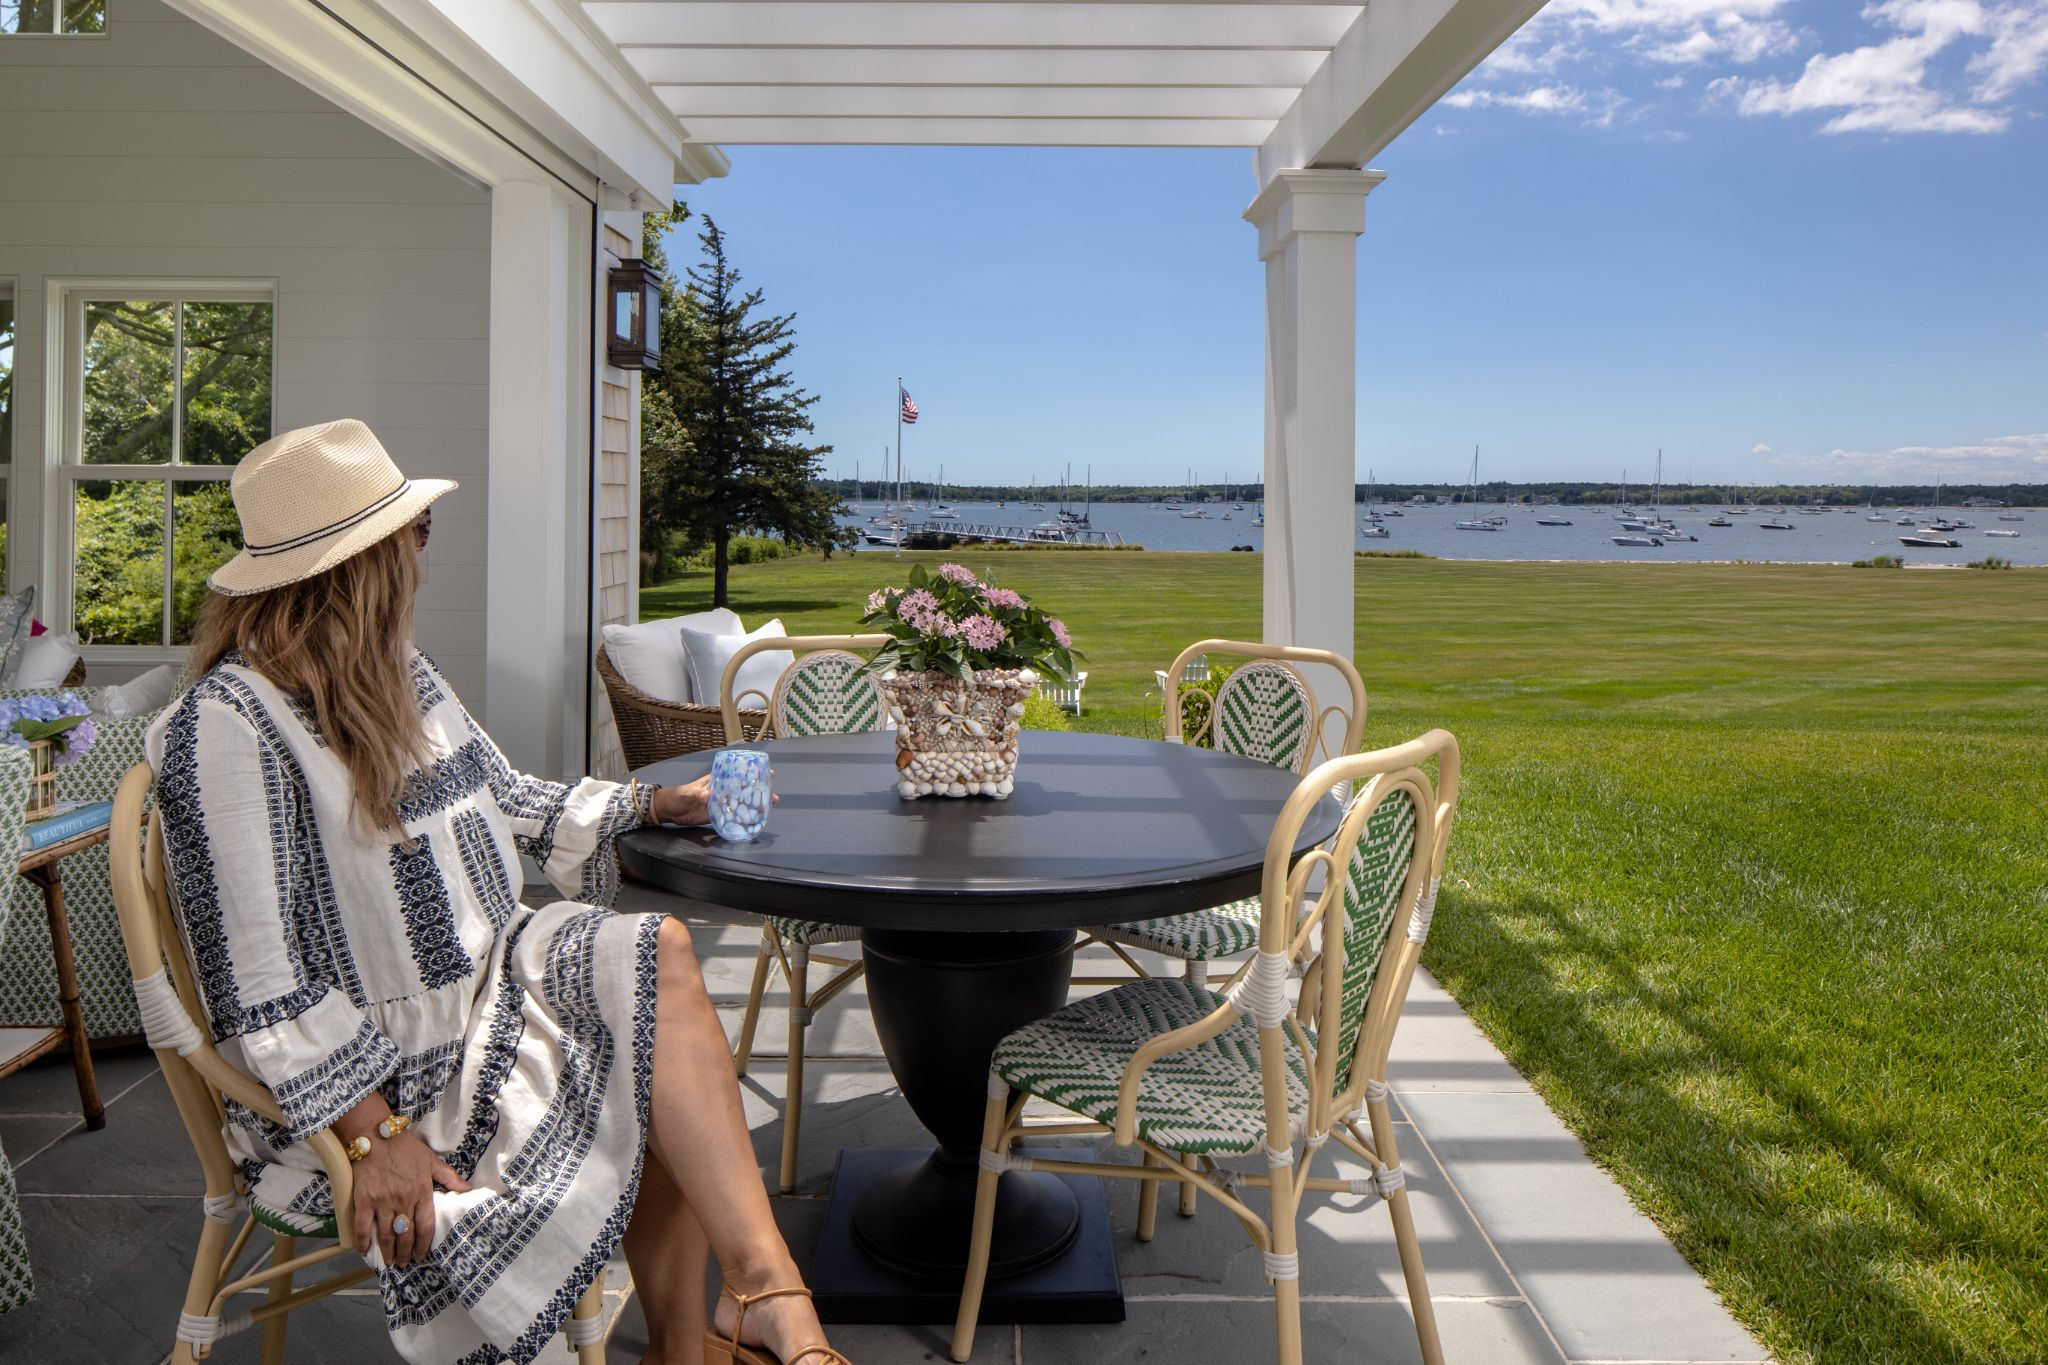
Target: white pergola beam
x=909, y=24
x=693, y=66
x=976, y=102
x=961, y=132
x=1391, y=65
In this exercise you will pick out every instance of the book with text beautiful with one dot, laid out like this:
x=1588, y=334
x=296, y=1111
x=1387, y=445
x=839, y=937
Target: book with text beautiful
x=67, y=824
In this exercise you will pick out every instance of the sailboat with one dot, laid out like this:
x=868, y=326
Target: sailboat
x=1191, y=510
x=1476, y=523
x=941, y=510
x=1080, y=518
x=1370, y=526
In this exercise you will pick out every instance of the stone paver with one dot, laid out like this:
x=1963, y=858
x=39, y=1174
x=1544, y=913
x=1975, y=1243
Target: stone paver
x=1533, y=1254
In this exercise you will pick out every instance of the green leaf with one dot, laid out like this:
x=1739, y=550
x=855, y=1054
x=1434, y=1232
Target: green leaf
x=33, y=730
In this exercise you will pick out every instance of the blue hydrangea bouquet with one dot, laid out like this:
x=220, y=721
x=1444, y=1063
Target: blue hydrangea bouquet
x=56, y=729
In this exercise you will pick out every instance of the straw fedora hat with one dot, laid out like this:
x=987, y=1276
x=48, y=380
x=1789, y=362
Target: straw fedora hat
x=310, y=498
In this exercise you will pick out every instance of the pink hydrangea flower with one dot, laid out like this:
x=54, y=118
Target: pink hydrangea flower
x=1059, y=631
x=1005, y=597
x=983, y=632
x=877, y=600
x=959, y=573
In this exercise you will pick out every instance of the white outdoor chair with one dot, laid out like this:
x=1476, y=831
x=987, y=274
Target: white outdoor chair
x=1187, y=1076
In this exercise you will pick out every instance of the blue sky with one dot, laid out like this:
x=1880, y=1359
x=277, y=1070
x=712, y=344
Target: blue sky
x=1779, y=239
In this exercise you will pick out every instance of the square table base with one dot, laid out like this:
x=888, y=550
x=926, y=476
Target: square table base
x=1081, y=1286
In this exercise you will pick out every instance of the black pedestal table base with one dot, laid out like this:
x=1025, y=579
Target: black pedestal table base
x=941, y=1002
x=1080, y=1285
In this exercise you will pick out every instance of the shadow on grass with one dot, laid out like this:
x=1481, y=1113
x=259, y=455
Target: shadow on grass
x=1821, y=1275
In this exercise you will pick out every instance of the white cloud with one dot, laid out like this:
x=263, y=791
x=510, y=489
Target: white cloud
x=1929, y=66
x=1996, y=459
x=1594, y=107
x=1759, y=449
x=1889, y=87
x=2018, y=51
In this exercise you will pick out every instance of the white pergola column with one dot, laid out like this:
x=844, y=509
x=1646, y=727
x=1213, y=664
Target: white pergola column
x=1309, y=222
x=533, y=628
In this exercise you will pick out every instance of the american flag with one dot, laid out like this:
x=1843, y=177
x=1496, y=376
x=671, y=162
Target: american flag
x=908, y=411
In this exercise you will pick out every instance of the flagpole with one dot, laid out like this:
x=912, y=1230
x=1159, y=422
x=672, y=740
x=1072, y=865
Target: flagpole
x=899, y=438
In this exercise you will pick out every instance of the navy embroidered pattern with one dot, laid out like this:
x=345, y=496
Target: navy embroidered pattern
x=430, y=928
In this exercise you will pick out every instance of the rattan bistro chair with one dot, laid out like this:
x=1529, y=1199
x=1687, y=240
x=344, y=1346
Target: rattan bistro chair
x=201, y=1082
x=1265, y=710
x=823, y=692
x=651, y=728
x=1187, y=1076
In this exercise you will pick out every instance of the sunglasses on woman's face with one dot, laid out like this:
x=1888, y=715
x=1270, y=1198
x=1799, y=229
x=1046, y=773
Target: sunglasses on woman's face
x=422, y=527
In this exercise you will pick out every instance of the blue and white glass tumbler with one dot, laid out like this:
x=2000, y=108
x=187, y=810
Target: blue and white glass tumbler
x=739, y=794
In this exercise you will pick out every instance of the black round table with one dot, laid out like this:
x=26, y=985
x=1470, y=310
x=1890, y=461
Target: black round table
x=967, y=909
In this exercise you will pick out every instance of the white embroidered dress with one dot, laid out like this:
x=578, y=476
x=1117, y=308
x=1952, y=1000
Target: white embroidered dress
x=334, y=964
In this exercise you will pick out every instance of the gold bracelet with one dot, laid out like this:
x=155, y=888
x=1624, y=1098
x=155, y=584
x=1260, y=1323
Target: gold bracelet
x=392, y=1126
x=357, y=1148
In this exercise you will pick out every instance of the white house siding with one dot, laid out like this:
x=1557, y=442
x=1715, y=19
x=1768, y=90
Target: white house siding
x=160, y=150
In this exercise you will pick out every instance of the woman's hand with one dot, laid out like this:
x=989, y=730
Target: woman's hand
x=686, y=803
x=396, y=1180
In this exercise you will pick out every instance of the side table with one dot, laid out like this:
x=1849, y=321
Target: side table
x=41, y=867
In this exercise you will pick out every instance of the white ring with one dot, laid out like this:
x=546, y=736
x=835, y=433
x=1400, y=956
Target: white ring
x=401, y=1225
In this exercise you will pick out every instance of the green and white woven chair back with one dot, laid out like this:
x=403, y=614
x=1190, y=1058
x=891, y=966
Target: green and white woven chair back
x=1378, y=873
x=826, y=694
x=1264, y=711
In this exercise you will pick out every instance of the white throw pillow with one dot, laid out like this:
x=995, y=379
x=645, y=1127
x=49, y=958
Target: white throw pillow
x=46, y=661
x=140, y=696
x=709, y=654
x=650, y=655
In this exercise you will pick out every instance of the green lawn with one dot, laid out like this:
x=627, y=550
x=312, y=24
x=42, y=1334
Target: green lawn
x=1750, y=879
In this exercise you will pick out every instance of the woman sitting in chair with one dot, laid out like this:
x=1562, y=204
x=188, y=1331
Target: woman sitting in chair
x=520, y=1090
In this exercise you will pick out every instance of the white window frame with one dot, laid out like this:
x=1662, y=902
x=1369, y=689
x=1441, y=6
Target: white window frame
x=63, y=464
x=57, y=29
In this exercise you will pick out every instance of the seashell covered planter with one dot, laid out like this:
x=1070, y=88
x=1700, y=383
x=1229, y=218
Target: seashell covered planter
x=956, y=738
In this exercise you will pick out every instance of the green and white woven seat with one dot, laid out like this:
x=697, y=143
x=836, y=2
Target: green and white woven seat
x=1207, y=1099
x=811, y=932
x=1203, y=936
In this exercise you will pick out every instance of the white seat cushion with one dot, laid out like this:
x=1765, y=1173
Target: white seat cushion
x=708, y=654
x=650, y=655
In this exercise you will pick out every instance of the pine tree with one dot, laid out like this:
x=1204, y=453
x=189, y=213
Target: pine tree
x=734, y=458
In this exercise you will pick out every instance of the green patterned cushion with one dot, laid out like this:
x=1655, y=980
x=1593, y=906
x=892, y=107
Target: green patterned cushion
x=827, y=694
x=15, y=613
x=1206, y=1099
x=1378, y=872
x=1263, y=711
x=812, y=932
x=1204, y=936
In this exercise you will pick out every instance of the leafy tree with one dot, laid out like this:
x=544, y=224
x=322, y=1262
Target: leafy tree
x=723, y=430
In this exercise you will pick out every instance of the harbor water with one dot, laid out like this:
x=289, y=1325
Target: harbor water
x=1831, y=536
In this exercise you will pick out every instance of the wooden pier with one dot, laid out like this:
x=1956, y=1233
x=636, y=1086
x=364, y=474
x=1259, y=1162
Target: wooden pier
x=944, y=535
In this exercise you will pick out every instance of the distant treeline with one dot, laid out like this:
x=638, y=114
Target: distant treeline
x=1565, y=494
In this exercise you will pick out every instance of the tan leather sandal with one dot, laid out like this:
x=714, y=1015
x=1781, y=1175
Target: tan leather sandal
x=719, y=1351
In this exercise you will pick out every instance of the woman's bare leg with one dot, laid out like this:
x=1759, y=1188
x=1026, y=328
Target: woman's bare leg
x=698, y=1132
x=667, y=1249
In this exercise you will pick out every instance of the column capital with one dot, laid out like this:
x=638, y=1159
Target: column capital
x=1310, y=201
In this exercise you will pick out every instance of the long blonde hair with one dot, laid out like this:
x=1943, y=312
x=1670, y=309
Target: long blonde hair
x=343, y=641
